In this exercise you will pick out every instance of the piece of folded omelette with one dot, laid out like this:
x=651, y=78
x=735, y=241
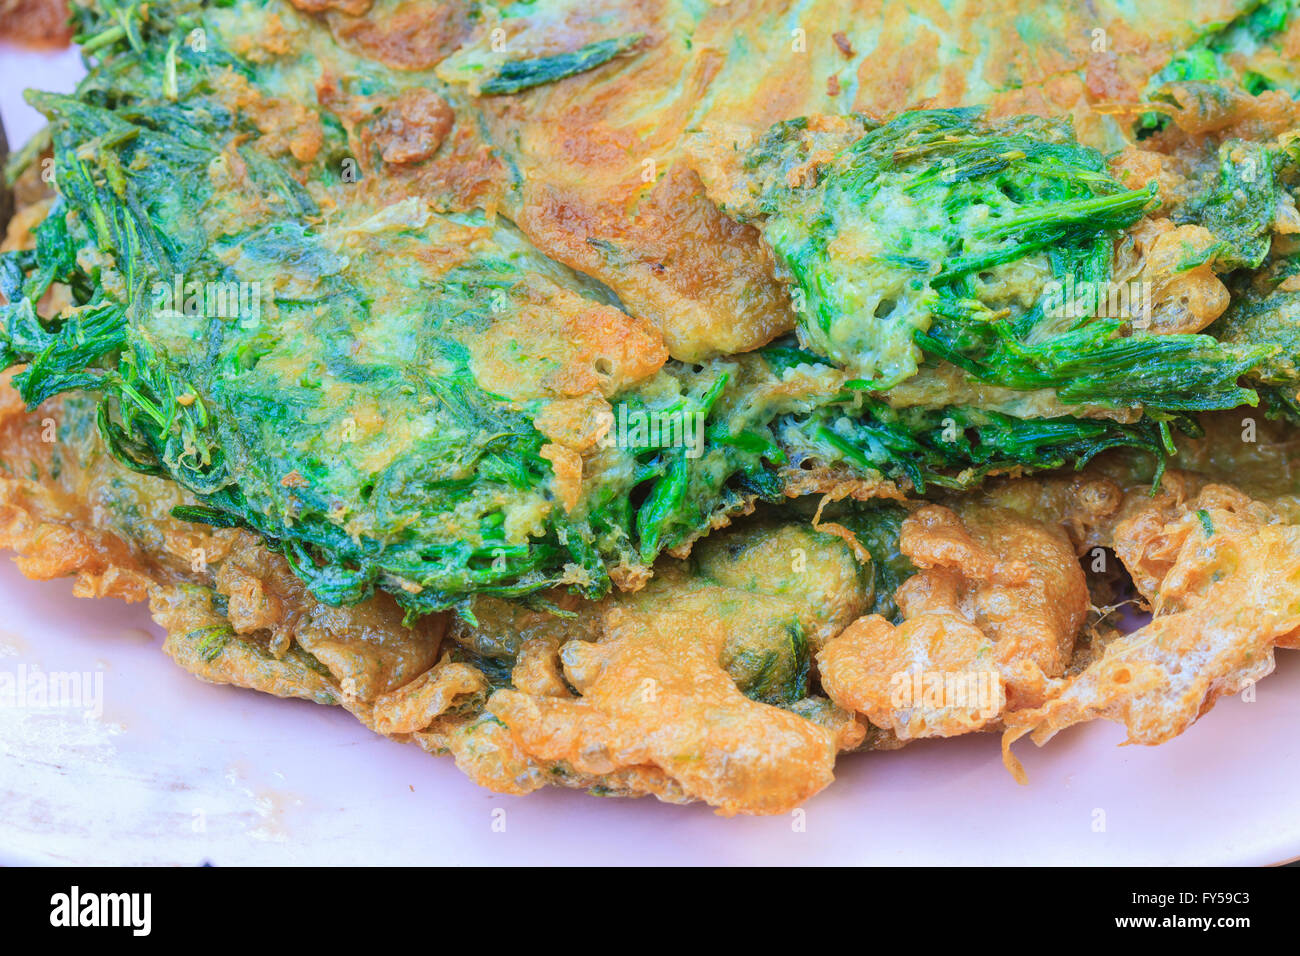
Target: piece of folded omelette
x=961, y=329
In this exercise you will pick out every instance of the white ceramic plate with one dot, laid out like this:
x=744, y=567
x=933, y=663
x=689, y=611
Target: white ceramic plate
x=178, y=772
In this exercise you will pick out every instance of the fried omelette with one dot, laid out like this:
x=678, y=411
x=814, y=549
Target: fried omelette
x=666, y=397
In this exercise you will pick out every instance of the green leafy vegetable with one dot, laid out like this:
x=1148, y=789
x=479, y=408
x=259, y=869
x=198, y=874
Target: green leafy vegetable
x=1252, y=37
x=1239, y=206
x=940, y=235
x=516, y=75
x=309, y=363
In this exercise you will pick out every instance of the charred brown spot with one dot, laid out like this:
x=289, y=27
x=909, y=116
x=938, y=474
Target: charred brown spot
x=413, y=127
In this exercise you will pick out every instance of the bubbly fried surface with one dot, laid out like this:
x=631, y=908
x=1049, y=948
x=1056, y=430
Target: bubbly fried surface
x=652, y=692
x=999, y=599
x=1222, y=574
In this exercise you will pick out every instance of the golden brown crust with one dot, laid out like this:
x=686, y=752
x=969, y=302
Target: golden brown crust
x=655, y=696
x=993, y=612
x=404, y=35
x=1223, y=576
x=605, y=184
x=39, y=24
